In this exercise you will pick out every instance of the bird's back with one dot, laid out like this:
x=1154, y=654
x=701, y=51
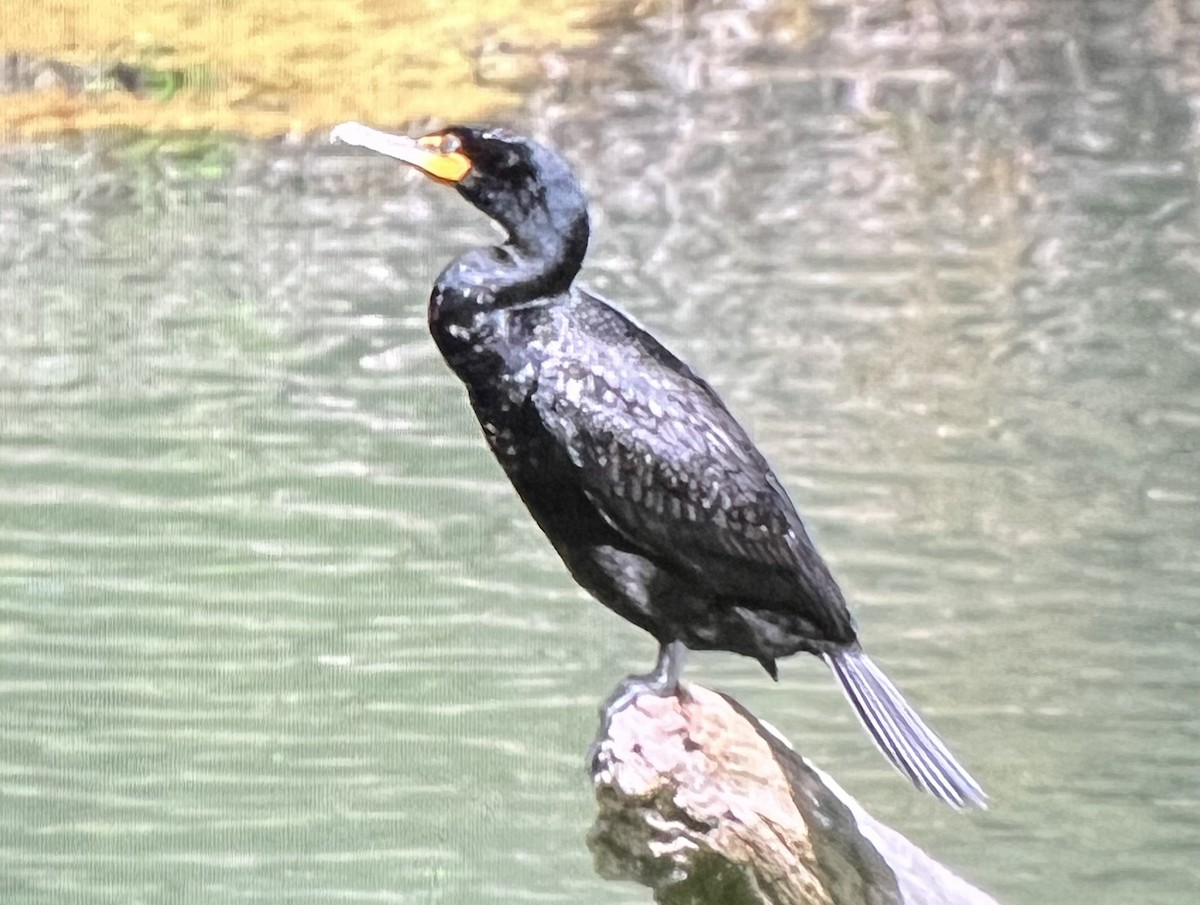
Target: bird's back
x=659, y=457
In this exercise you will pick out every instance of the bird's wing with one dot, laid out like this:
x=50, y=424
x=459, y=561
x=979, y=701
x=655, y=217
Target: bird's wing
x=669, y=467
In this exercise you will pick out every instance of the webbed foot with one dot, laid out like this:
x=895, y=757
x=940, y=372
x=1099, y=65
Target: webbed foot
x=662, y=682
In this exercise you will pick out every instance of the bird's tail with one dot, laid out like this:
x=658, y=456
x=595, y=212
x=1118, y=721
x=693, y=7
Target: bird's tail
x=901, y=735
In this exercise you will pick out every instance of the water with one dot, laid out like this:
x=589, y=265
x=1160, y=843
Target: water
x=273, y=626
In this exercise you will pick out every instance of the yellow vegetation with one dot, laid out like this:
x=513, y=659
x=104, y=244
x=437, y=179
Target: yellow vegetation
x=267, y=68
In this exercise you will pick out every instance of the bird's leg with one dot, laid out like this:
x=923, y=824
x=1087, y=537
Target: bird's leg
x=667, y=669
x=662, y=682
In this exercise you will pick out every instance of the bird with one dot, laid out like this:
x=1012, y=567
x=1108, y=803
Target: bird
x=649, y=489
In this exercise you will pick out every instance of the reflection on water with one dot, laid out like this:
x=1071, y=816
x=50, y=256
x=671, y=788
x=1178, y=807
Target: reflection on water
x=274, y=627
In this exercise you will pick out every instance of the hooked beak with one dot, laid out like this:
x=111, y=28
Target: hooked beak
x=423, y=153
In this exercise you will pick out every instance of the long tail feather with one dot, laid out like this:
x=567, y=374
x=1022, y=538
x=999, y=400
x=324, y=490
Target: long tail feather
x=912, y=747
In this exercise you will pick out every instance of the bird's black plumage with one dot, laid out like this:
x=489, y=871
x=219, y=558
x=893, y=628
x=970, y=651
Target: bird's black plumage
x=649, y=489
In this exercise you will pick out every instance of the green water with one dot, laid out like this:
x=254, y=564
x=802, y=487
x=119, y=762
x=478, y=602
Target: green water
x=273, y=627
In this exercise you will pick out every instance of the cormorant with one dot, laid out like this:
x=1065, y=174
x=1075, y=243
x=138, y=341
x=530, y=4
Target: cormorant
x=650, y=490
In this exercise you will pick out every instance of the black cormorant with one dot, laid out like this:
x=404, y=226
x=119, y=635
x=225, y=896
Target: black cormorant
x=649, y=489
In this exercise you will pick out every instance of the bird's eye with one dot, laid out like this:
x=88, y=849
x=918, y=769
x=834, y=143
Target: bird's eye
x=450, y=144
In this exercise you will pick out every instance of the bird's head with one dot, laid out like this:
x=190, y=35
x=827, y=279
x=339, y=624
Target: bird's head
x=526, y=187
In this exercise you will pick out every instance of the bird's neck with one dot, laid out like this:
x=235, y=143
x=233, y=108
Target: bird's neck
x=539, y=260
x=542, y=256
